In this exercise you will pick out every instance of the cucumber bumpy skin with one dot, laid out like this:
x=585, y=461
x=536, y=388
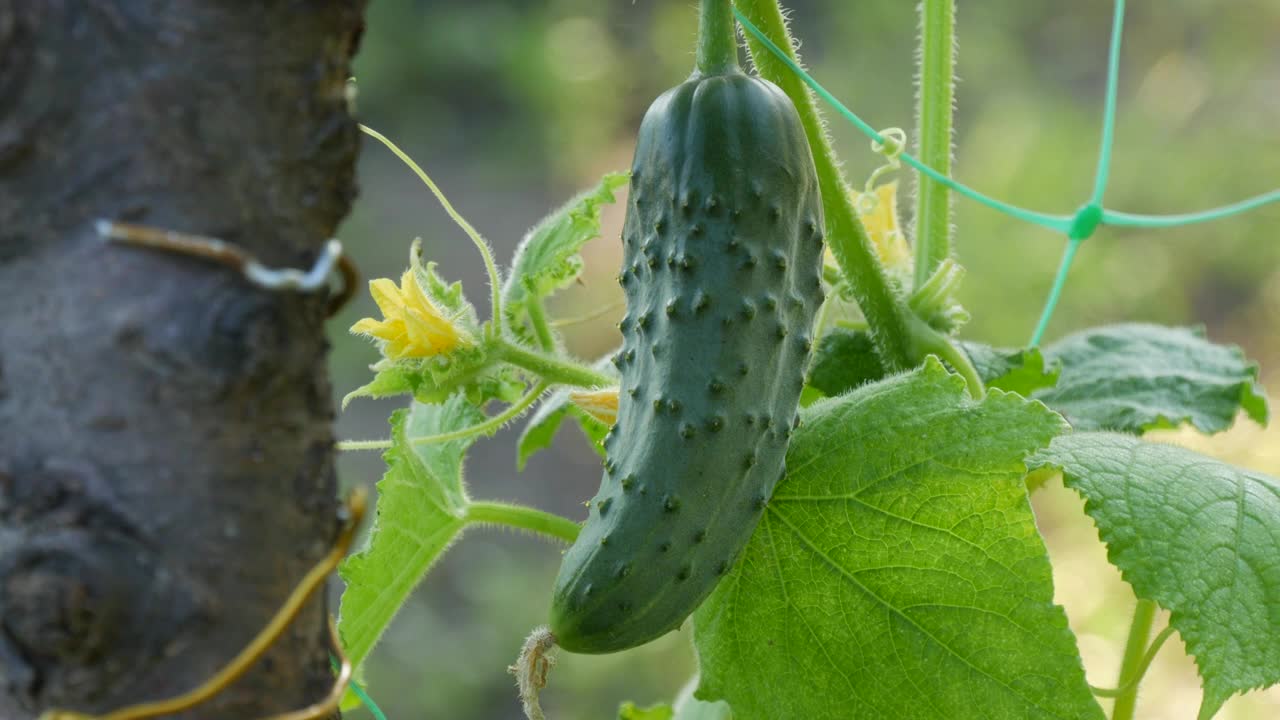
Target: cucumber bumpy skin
x=722, y=254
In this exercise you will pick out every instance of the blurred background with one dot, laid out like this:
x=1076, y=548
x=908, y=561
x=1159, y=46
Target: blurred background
x=514, y=105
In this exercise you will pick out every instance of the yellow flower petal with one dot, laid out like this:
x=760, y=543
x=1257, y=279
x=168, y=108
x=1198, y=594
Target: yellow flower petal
x=599, y=404
x=411, y=291
x=367, y=326
x=387, y=295
x=429, y=333
x=881, y=222
x=398, y=349
x=413, y=326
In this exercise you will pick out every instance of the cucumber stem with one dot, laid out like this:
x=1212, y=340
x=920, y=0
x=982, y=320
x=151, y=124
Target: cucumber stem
x=929, y=340
x=553, y=369
x=717, y=38
x=523, y=517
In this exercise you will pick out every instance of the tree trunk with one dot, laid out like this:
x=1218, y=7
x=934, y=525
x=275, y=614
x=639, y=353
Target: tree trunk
x=166, y=471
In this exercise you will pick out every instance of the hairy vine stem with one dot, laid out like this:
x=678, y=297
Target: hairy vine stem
x=1132, y=667
x=538, y=319
x=936, y=101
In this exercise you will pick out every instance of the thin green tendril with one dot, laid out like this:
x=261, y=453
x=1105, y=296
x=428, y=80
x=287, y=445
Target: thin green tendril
x=892, y=153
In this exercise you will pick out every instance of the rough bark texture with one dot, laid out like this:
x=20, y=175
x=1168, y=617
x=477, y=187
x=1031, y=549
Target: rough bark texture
x=166, y=469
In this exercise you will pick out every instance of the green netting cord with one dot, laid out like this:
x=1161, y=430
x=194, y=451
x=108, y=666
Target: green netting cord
x=1077, y=227
x=359, y=692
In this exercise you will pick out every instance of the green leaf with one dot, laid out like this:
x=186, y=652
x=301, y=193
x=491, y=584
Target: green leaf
x=1016, y=370
x=695, y=709
x=687, y=708
x=1135, y=377
x=447, y=295
x=421, y=501
x=388, y=381
x=1199, y=537
x=629, y=711
x=897, y=571
x=432, y=380
x=846, y=359
x=542, y=427
x=547, y=259
x=843, y=360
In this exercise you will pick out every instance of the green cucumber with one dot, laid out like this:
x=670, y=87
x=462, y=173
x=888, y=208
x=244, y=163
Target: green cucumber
x=722, y=254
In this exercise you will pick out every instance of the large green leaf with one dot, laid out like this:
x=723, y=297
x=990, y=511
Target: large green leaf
x=898, y=572
x=421, y=502
x=547, y=259
x=1137, y=377
x=1197, y=536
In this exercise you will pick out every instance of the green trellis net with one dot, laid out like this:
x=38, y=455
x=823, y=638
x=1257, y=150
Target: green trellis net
x=1077, y=227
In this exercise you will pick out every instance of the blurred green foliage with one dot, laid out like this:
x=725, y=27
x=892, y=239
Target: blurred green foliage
x=513, y=105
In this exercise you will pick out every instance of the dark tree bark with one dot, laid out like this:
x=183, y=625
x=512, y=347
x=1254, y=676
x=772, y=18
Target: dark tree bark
x=166, y=470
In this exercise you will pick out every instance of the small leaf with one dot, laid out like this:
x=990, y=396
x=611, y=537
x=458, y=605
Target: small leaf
x=547, y=259
x=687, y=708
x=897, y=571
x=469, y=371
x=846, y=359
x=1016, y=370
x=1135, y=377
x=447, y=295
x=387, y=382
x=1199, y=537
x=421, y=501
x=843, y=360
x=629, y=711
x=542, y=427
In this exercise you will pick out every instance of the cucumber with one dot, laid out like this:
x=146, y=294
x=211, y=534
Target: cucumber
x=722, y=252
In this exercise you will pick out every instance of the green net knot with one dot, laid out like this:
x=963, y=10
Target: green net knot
x=1085, y=222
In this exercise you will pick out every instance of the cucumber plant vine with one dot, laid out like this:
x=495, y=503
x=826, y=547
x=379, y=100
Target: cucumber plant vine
x=896, y=569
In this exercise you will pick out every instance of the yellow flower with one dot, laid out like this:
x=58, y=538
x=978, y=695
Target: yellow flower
x=599, y=404
x=878, y=211
x=413, y=326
